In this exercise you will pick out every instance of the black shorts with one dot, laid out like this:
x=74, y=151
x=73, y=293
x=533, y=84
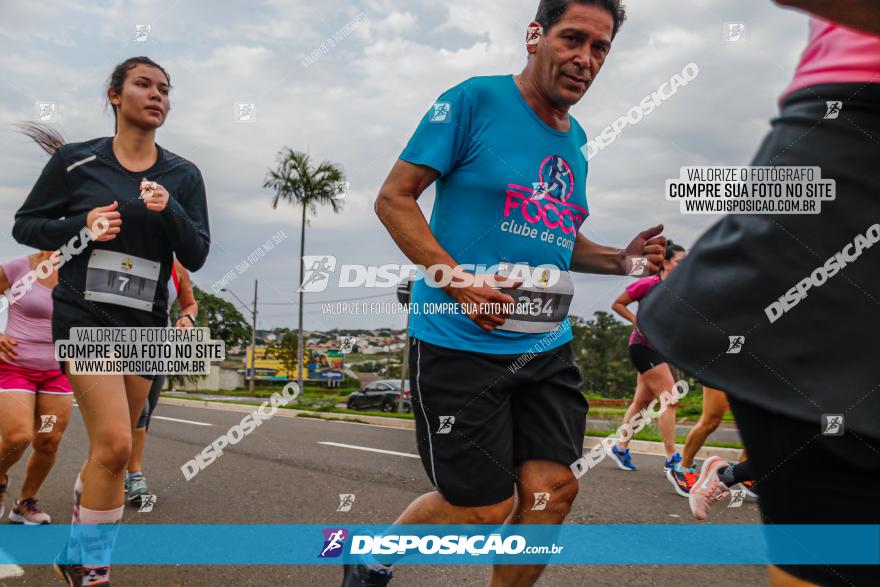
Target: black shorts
x=644, y=357
x=804, y=477
x=479, y=416
x=65, y=317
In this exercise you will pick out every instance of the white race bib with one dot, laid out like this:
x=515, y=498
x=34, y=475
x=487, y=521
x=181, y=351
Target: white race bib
x=123, y=280
x=541, y=304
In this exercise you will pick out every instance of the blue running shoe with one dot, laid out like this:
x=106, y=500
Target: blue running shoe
x=622, y=458
x=137, y=488
x=672, y=461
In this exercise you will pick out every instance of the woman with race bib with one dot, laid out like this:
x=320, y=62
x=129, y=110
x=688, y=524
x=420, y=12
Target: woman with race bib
x=154, y=204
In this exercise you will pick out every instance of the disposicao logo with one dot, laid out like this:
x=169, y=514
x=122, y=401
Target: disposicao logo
x=334, y=542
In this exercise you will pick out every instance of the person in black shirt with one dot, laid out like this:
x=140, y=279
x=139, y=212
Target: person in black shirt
x=152, y=205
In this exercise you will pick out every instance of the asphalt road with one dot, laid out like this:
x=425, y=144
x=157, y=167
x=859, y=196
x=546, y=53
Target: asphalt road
x=282, y=474
x=724, y=433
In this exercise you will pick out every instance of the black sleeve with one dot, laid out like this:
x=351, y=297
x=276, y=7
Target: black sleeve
x=41, y=222
x=186, y=224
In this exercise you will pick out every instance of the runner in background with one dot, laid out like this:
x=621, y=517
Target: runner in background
x=654, y=376
x=182, y=291
x=712, y=486
x=35, y=397
x=154, y=207
x=683, y=476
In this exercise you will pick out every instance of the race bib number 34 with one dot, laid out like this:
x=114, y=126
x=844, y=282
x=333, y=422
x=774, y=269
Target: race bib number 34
x=541, y=304
x=123, y=280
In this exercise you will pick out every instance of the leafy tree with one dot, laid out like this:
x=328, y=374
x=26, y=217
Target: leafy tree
x=223, y=318
x=284, y=349
x=226, y=324
x=601, y=351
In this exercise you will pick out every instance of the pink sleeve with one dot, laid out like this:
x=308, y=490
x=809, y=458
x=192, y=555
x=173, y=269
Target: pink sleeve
x=638, y=289
x=15, y=268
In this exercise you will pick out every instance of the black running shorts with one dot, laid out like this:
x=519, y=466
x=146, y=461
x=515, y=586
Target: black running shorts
x=479, y=416
x=805, y=477
x=644, y=357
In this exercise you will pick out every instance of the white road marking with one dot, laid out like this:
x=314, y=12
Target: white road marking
x=9, y=571
x=172, y=419
x=183, y=421
x=379, y=450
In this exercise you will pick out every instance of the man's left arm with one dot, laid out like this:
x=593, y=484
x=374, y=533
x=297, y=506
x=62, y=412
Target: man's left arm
x=590, y=257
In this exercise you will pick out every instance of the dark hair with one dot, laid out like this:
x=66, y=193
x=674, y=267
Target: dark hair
x=49, y=139
x=672, y=249
x=550, y=11
x=117, y=78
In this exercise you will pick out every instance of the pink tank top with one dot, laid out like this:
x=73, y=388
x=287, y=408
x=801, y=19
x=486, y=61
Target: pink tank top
x=638, y=290
x=30, y=320
x=835, y=55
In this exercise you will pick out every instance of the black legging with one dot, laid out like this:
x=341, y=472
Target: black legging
x=152, y=402
x=737, y=474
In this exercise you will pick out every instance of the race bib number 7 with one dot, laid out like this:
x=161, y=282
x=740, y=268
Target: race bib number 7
x=122, y=280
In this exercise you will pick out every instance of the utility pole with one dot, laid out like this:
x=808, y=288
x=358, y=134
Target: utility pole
x=254, y=344
x=302, y=266
x=253, y=361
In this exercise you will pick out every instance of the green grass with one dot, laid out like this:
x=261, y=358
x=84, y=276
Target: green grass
x=655, y=437
x=689, y=408
x=264, y=391
x=607, y=411
x=378, y=357
x=320, y=409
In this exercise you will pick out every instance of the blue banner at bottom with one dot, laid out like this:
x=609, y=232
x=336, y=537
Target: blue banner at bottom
x=624, y=544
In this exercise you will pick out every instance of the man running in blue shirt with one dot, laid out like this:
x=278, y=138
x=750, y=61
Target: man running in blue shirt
x=500, y=415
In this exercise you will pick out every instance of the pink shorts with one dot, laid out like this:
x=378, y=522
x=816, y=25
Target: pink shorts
x=15, y=378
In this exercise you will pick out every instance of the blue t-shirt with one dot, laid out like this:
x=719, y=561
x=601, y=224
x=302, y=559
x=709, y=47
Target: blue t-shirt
x=511, y=189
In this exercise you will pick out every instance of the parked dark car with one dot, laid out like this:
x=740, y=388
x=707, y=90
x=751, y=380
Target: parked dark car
x=380, y=396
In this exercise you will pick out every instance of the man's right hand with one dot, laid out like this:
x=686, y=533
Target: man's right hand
x=113, y=222
x=474, y=298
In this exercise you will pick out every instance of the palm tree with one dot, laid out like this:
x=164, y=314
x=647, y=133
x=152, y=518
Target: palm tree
x=298, y=182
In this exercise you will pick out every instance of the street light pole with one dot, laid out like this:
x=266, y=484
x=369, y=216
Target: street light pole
x=253, y=369
x=254, y=344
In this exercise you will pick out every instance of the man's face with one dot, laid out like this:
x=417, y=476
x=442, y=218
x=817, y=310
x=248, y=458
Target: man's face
x=569, y=56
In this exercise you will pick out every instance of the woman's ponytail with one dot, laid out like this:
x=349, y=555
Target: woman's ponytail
x=49, y=139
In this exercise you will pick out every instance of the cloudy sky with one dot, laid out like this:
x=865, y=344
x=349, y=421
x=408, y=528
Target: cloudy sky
x=359, y=103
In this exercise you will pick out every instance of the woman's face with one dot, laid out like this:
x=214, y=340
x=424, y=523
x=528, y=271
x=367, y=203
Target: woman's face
x=670, y=264
x=144, y=101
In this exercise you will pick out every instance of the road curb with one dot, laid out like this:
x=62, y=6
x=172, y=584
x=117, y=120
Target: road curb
x=638, y=446
x=290, y=413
